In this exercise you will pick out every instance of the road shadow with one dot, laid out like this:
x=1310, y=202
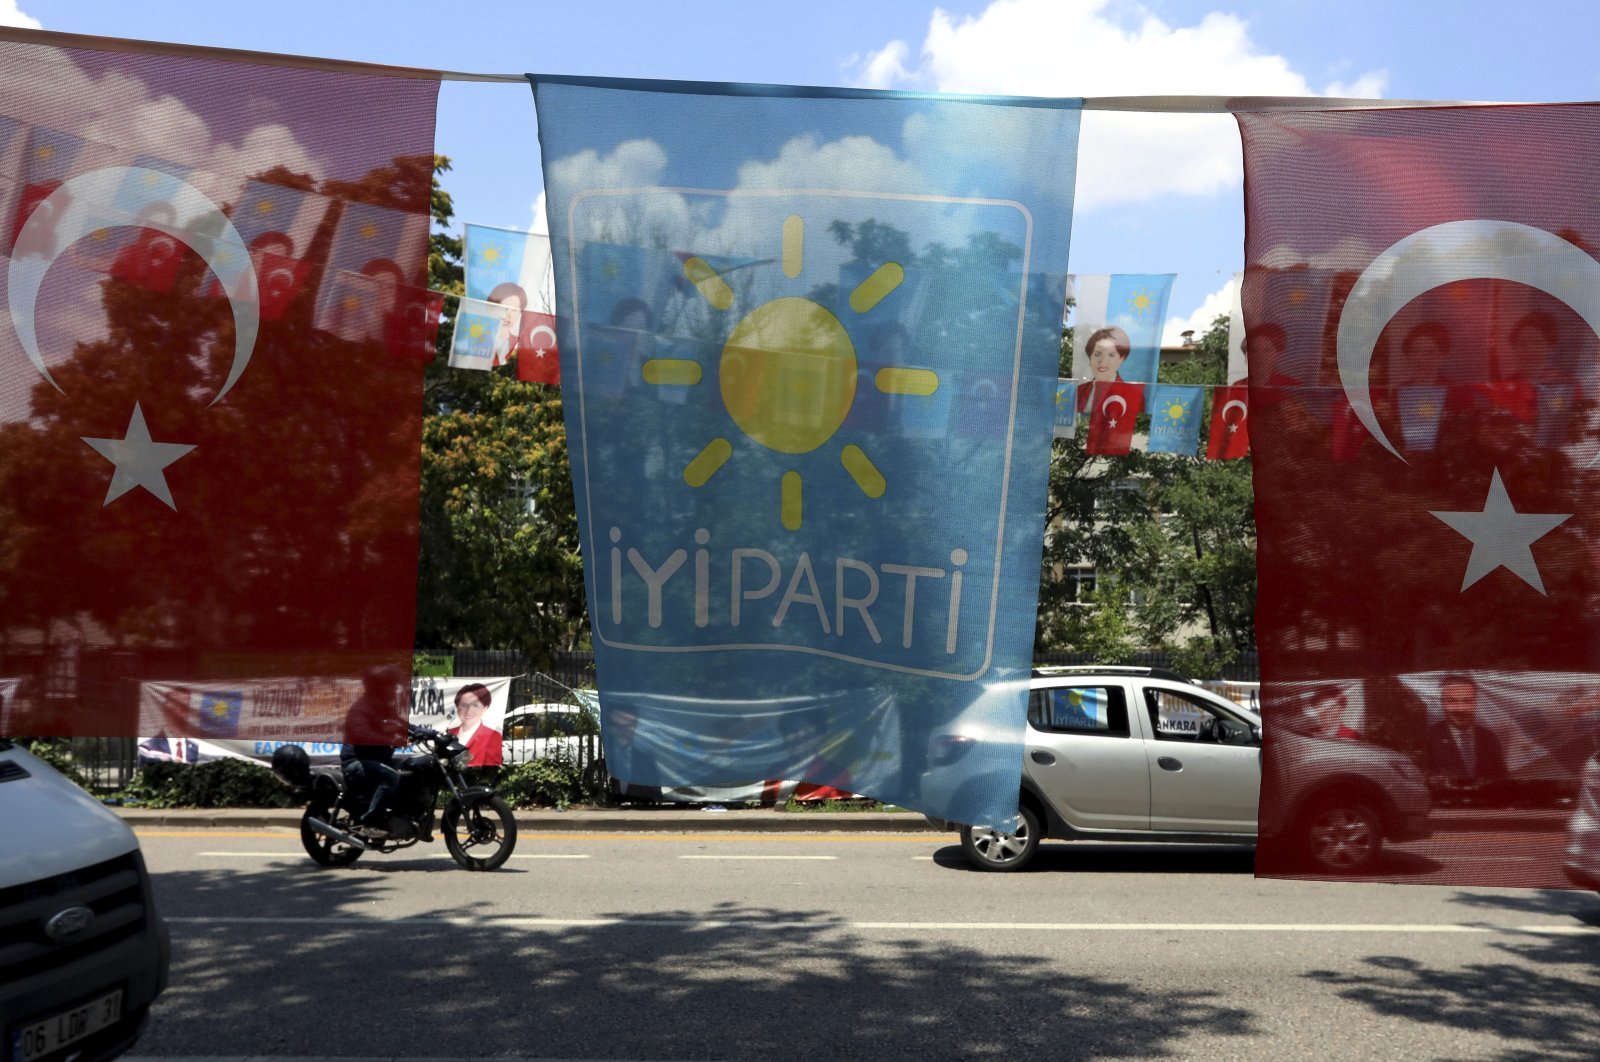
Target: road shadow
x=317, y=974
x=1104, y=857
x=1540, y=995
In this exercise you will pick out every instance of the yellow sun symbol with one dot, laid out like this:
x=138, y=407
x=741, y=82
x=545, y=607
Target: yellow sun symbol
x=787, y=374
x=1297, y=296
x=45, y=152
x=369, y=231
x=491, y=254
x=1075, y=698
x=1176, y=409
x=266, y=206
x=1141, y=302
x=477, y=329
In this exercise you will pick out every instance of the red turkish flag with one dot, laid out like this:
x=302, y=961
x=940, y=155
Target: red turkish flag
x=210, y=518
x=151, y=261
x=1230, y=429
x=538, y=360
x=1113, y=410
x=1450, y=581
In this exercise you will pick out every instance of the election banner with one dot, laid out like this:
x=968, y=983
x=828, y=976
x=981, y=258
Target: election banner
x=803, y=556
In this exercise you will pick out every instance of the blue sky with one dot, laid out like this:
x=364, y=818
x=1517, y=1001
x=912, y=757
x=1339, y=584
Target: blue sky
x=1157, y=193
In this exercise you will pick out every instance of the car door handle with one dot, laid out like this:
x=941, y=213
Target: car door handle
x=1169, y=763
x=1041, y=757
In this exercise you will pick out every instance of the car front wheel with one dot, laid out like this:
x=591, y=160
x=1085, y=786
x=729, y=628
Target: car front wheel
x=1343, y=838
x=989, y=849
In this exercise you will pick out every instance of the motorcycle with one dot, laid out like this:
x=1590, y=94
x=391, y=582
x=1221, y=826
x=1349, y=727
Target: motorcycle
x=478, y=827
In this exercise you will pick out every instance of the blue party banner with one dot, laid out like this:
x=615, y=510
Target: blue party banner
x=500, y=263
x=809, y=345
x=1117, y=325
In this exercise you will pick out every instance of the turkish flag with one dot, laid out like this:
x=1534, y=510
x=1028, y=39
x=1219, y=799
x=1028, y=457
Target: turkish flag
x=1114, y=408
x=1448, y=574
x=538, y=360
x=413, y=326
x=1230, y=429
x=209, y=503
x=151, y=261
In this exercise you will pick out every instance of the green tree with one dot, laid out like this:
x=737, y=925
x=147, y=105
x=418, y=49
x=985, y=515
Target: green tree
x=500, y=566
x=1174, y=535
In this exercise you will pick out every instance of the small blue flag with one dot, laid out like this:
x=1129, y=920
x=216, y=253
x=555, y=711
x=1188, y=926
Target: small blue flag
x=1066, y=409
x=809, y=341
x=1174, y=418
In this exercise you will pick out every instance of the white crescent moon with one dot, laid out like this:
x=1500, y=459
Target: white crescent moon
x=533, y=334
x=1119, y=400
x=79, y=204
x=1243, y=409
x=1442, y=254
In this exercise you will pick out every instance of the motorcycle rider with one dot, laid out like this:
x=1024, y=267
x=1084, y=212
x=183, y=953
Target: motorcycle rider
x=372, y=731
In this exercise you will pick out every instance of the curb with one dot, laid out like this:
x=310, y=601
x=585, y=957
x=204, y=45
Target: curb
x=583, y=821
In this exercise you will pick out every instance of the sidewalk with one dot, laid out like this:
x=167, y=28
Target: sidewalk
x=657, y=819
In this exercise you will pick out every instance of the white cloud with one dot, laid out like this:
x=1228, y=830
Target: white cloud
x=886, y=66
x=540, y=221
x=1218, y=303
x=1111, y=48
x=11, y=15
x=122, y=117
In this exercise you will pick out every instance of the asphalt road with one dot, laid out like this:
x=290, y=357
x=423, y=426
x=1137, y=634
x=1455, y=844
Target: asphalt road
x=862, y=946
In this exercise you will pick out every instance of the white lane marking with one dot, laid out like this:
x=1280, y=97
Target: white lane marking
x=725, y=857
x=1548, y=929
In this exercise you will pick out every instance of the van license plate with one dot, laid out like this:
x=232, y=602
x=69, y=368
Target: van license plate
x=39, y=1038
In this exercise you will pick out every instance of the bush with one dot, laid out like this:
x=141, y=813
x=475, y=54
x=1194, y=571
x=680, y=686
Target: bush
x=227, y=783
x=57, y=752
x=554, y=781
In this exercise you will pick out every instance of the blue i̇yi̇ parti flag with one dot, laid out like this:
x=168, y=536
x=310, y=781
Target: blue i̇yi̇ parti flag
x=1174, y=418
x=779, y=309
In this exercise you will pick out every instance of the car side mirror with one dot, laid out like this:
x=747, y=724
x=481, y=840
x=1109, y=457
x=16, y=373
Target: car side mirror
x=1255, y=732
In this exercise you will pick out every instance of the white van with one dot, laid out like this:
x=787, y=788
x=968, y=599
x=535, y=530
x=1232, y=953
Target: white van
x=83, y=952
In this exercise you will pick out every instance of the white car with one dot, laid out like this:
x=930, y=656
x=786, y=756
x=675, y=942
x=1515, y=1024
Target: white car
x=84, y=952
x=538, y=731
x=1142, y=754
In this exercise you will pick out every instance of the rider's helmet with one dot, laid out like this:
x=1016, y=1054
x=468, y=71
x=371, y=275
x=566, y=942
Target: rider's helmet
x=292, y=765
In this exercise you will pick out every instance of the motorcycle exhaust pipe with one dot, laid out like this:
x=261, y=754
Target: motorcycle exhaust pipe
x=338, y=835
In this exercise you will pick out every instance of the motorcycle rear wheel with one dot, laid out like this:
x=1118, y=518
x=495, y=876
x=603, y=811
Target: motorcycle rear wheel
x=481, y=835
x=325, y=850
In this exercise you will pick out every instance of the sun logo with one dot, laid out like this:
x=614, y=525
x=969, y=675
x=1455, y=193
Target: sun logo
x=266, y=206
x=492, y=254
x=1141, y=302
x=1175, y=410
x=477, y=329
x=787, y=374
x=369, y=231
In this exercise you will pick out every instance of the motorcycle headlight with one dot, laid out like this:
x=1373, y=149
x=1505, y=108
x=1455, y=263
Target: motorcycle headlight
x=461, y=759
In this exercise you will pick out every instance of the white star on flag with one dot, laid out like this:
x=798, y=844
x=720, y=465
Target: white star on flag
x=139, y=460
x=1501, y=536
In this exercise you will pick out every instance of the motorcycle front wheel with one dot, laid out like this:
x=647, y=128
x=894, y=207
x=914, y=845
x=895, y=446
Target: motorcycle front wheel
x=328, y=851
x=480, y=835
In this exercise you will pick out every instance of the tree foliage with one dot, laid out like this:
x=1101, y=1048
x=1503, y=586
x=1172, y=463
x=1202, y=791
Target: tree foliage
x=500, y=566
x=1171, y=539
